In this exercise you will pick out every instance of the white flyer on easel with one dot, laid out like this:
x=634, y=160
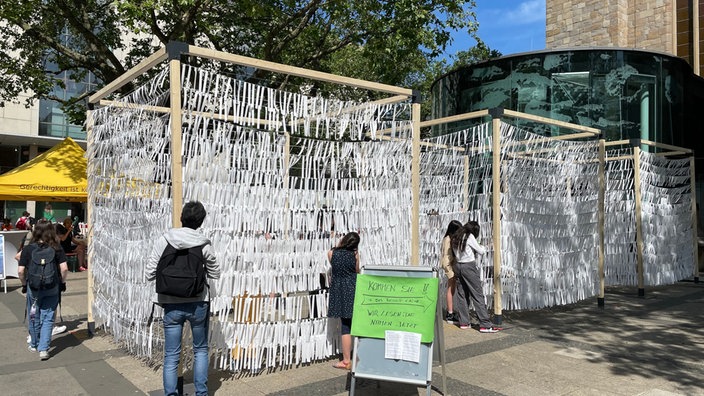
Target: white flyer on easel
x=402, y=345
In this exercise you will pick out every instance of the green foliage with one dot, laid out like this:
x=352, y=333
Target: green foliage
x=390, y=41
x=427, y=76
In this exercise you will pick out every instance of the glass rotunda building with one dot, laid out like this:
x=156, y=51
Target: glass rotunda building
x=628, y=94
x=625, y=93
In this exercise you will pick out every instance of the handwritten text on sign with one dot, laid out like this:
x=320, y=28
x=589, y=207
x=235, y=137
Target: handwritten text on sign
x=384, y=303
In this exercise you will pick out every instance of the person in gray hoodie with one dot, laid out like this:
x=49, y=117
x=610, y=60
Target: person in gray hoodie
x=178, y=310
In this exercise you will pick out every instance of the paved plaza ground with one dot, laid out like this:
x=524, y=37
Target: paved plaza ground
x=651, y=345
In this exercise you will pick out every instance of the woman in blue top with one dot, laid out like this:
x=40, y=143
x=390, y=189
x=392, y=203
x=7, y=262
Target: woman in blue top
x=344, y=260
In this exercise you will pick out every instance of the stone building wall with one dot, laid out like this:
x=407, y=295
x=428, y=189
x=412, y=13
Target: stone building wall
x=610, y=23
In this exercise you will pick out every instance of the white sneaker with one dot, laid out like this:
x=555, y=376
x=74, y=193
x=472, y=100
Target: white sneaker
x=43, y=355
x=57, y=330
x=29, y=339
x=31, y=348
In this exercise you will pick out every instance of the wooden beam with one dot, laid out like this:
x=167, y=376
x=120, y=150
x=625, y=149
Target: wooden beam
x=162, y=54
x=135, y=106
x=496, y=211
x=618, y=143
x=175, y=146
x=549, y=121
x=455, y=118
x=143, y=66
x=465, y=184
x=696, y=45
x=665, y=146
x=671, y=153
x=623, y=157
x=90, y=122
x=601, y=222
x=639, y=221
x=695, y=219
x=520, y=155
x=634, y=142
x=215, y=116
x=389, y=100
x=415, y=185
x=296, y=71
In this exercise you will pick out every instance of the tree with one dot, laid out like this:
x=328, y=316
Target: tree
x=389, y=41
x=425, y=78
x=478, y=53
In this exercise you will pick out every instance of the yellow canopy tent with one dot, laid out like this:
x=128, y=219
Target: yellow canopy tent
x=59, y=174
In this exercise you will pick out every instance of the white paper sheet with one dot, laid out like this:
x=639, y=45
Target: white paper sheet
x=402, y=345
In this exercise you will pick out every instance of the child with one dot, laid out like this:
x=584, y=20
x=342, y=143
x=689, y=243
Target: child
x=465, y=246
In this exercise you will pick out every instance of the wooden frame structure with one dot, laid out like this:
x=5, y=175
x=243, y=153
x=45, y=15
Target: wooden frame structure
x=173, y=53
x=636, y=146
x=497, y=114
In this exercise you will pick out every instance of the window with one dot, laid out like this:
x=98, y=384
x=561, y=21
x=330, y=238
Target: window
x=52, y=120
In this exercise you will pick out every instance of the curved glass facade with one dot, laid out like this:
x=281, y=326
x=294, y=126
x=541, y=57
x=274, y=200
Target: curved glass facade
x=625, y=93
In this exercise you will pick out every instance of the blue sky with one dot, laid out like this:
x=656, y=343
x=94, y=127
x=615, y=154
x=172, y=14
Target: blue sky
x=510, y=26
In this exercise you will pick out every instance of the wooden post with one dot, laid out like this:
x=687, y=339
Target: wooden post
x=696, y=62
x=496, y=211
x=602, y=210
x=176, y=160
x=639, y=220
x=415, y=180
x=89, y=257
x=695, y=219
x=465, y=186
x=286, y=183
x=176, y=164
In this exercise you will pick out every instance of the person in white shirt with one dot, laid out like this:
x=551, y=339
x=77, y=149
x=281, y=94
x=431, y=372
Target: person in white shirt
x=466, y=249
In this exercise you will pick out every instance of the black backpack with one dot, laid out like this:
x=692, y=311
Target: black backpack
x=181, y=272
x=43, y=273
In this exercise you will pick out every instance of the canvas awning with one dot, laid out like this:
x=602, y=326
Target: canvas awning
x=59, y=174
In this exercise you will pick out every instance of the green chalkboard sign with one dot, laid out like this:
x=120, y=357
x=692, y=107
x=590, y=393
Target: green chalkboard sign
x=394, y=303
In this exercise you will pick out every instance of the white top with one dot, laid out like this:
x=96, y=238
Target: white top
x=467, y=255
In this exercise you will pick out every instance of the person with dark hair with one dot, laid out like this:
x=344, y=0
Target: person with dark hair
x=46, y=296
x=70, y=243
x=178, y=310
x=447, y=263
x=344, y=260
x=26, y=240
x=23, y=222
x=466, y=249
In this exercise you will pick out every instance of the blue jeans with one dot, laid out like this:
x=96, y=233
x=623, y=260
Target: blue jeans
x=175, y=315
x=41, y=325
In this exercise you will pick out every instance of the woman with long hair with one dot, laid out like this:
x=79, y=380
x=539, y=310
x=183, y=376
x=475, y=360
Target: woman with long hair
x=447, y=262
x=466, y=249
x=42, y=297
x=344, y=260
